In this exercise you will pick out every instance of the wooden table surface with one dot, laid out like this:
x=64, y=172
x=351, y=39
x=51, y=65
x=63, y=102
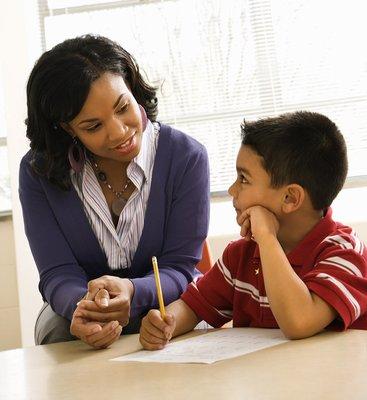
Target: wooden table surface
x=331, y=365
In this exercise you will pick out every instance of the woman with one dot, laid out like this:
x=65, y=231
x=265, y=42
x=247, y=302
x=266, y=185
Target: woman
x=103, y=189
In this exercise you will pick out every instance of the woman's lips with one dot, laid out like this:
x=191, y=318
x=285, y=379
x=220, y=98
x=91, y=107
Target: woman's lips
x=128, y=146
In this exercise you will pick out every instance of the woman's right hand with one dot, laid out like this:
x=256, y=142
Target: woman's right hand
x=111, y=300
x=96, y=334
x=155, y=332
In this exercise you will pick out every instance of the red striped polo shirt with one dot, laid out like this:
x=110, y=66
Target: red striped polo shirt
x=331, y=260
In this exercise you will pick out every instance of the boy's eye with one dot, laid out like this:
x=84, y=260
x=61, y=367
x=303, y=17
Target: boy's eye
x=243, y=179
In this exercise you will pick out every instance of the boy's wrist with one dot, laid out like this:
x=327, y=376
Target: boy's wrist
x=267, y=240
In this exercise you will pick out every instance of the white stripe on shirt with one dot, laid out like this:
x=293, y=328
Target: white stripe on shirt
x=342, y=264
x=348, y=295
x=359, y=245
x=345, y=244
x=242, y=286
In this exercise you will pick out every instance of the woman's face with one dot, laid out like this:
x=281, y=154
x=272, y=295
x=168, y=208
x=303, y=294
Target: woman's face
x=110, y=123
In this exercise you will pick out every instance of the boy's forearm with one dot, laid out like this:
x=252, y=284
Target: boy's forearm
x=293, y=305
x=186, y=319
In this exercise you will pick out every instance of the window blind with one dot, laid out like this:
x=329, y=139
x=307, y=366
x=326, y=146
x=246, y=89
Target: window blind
x=217, y=62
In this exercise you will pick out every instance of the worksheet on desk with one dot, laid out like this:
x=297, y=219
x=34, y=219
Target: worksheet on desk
x=212, y=346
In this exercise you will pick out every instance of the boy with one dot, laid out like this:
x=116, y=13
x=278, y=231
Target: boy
x=295, y=268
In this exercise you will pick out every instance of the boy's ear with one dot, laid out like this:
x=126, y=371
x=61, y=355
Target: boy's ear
x=294, y=196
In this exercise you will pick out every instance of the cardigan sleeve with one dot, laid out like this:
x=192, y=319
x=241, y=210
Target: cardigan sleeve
x=185, y=231
x=62, y=281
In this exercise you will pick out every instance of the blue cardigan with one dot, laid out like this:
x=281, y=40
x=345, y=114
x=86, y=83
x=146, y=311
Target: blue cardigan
x=68, y=255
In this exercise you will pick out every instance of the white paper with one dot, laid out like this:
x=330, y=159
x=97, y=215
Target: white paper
x=211, y=347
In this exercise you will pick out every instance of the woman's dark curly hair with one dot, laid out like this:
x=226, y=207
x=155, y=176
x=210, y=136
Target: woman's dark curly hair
x=57, y=88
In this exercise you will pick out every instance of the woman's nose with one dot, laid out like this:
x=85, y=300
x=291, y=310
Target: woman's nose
x=117, y=130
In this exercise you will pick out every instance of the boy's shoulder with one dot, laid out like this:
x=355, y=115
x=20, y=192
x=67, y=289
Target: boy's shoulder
x=344, y=237
x=328, y=235
x=341, y=245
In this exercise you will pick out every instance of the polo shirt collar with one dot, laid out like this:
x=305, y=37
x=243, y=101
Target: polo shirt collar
x=312, y=239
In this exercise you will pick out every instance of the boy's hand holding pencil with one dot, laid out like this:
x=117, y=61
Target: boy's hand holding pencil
x=157, y=327
x=155, y=332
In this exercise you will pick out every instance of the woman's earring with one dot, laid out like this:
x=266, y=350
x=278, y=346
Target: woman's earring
x=76, y=156
x=144, y=118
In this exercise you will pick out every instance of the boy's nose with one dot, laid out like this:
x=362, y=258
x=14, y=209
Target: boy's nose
x=231, y=190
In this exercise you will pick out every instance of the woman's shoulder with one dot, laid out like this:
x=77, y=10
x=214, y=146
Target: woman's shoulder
x=25, y=164
x=28, y=164
x=26, y=159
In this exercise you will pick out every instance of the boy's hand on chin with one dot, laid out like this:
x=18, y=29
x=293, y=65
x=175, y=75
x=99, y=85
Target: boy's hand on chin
x=257, y=222
x=245, y=223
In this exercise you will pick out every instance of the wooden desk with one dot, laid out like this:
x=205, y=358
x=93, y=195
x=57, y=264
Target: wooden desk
x=328, y=366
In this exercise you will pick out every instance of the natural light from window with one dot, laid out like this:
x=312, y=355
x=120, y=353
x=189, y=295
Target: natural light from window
x=217, y=62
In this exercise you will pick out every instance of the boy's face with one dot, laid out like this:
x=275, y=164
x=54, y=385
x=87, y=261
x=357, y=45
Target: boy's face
x=252, y=186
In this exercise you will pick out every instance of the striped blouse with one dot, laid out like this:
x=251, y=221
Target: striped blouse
x=120, y=243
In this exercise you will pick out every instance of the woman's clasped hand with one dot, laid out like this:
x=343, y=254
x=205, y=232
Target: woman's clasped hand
x=103, y=312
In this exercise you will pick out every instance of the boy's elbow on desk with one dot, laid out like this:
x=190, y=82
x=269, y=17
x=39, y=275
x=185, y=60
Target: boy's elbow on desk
x=297, y=334
x=300, y=329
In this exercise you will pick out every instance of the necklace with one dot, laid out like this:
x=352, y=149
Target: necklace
x=119, y=203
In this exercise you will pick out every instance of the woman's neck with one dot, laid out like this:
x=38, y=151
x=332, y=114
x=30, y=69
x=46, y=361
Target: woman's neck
x=110, y=166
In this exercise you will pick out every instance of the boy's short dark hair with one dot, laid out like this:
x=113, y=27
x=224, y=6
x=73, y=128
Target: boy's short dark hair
x=303, y=147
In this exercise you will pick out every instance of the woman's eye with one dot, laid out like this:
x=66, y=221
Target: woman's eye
x=122, y=108
x=93, y=128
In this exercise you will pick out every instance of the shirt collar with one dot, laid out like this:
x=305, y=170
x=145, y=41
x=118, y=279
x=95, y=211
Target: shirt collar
x=139, y=168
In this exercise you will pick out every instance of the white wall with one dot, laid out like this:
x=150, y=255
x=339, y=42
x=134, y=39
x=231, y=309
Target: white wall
x=17, y=33
x=9, y=304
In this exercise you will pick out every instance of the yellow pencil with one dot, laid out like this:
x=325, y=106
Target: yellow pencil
x=159, y=288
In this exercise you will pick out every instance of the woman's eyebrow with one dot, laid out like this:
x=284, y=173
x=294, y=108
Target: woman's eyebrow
x=96, y=119
x=88, y=120
x=118, y=100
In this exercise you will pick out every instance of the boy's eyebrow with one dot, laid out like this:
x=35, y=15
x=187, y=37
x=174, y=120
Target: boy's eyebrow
x=96, y=119
x=243, y=170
